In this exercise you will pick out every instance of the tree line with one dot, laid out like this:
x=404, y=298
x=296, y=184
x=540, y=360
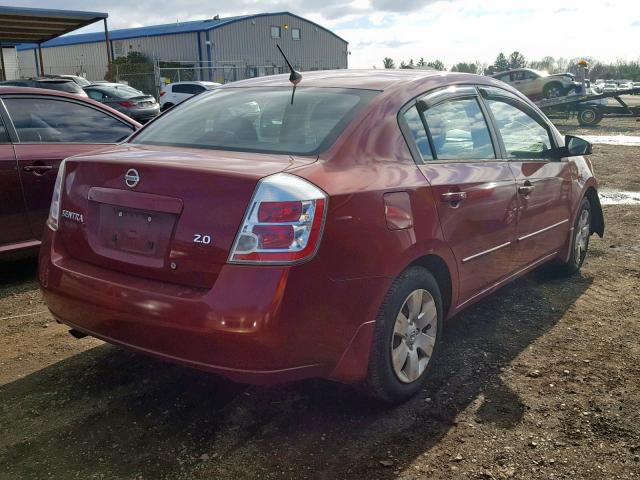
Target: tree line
x=621, y=69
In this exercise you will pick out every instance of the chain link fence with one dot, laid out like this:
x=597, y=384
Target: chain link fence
x=150, y=76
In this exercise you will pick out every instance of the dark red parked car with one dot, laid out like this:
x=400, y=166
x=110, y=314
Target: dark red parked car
x=267, y=238
x=38, y=129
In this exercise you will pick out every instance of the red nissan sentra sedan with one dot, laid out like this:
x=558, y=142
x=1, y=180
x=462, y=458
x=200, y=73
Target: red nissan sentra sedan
x=268, y=239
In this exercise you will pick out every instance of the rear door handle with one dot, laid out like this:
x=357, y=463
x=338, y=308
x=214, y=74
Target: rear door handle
x=37, y=168
x=453, y=197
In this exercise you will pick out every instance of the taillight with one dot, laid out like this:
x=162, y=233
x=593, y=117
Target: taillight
x=283, y=223
x=162, y=92
x=54, y=211
x=127, y=104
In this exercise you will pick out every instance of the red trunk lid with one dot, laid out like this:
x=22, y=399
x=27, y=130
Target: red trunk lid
x=176, y=224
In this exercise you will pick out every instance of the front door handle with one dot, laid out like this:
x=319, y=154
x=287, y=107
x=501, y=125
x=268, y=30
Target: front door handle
x=454, y=198
x=526, y=189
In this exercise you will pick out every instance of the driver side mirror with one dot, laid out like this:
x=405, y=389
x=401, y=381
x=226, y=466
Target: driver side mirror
x=575, y=147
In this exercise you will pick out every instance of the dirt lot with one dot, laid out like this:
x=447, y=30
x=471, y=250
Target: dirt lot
x=539, y=381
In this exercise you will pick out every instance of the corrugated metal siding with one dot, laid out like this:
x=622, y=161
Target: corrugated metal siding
x=27, y=63
x=240, y=44
x=249, y=41
x=10, y=57
x=181, y=46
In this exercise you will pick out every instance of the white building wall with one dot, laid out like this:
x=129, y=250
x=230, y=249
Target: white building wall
x=10, y=56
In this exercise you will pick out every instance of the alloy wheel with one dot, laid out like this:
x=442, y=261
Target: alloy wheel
x=583, y=229
x=414, y=336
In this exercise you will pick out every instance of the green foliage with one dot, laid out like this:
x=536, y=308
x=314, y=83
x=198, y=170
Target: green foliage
x=501, y=64
x=465, y=67
x=388, y=63
x=132, y=58
x=517, y=60
x=436, y=65
x=407, y=65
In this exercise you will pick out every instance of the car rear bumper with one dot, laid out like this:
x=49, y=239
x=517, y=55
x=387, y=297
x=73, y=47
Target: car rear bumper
x=144, y=114
x=256, y=325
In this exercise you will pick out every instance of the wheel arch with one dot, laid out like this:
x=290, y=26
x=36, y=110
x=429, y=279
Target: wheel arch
x=440, y=270
x=553, y=83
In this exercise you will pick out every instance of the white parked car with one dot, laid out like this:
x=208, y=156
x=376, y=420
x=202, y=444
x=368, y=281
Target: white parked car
x=625, y=86
x=177, y=92
x=610, y=87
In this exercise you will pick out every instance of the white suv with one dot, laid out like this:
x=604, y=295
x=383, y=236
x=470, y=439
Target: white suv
x=177, y=92
x=535, y=83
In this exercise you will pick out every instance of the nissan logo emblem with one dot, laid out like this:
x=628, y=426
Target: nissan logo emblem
x=131, y=178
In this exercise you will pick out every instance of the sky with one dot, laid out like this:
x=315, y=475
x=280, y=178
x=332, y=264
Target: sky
x=448, y=30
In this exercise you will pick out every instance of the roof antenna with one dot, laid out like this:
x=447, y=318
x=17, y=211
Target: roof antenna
x=295, y=77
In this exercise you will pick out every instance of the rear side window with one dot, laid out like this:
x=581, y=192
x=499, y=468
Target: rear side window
x=523, y=136
x=4, y=135
x=95, y=95
x=459, y=130
x=187, y=88
x=259, y=119
x=419, y=134
x=44, y=120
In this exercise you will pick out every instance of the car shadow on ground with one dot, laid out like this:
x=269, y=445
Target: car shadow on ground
x=18, y=276
x=109, y=413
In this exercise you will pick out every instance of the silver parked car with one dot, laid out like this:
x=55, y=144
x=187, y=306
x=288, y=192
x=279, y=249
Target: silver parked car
x=536, y=83
x=126, y=99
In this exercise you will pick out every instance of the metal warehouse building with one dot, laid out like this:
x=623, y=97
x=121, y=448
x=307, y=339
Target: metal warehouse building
x=218, y=49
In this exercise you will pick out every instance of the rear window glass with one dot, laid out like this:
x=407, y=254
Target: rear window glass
x=259, y=119
x=69, y=87
x=123, y=91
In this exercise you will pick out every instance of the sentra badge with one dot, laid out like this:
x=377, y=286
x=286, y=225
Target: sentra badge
x=76, y=217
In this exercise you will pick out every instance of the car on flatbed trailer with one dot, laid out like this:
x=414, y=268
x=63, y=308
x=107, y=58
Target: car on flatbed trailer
x=539, y=84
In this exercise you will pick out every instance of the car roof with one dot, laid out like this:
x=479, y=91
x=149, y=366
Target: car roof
x=391, y=80
x=372, y=79
x=194, y=82
x=13, y=90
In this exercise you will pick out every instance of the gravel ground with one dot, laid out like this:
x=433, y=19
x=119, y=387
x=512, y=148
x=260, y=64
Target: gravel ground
x=539, y=381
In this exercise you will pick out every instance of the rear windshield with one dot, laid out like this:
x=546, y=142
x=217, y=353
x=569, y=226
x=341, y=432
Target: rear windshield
x=260, y=119
x=120, y=91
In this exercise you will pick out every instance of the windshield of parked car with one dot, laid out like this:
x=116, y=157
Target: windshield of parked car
x=120, y=91
x=261, y=119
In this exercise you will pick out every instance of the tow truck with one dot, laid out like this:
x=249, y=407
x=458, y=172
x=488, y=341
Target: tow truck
x=589, y=108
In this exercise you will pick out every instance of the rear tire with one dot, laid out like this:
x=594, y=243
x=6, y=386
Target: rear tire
x=579, y=241
x=166, y=107
x=553, y=90
x=589, y=116
x=406, y=337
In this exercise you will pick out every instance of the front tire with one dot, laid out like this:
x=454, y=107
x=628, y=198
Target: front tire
x=579, y=240
x=406, y=338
